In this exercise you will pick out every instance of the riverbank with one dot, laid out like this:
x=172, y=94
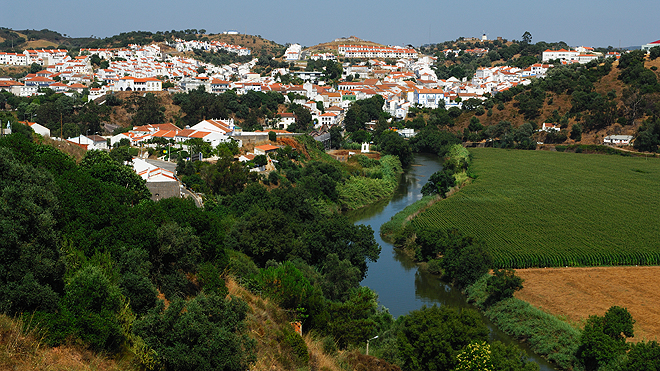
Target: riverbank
x=380, y=180
x=546, y=335
x=401, y=286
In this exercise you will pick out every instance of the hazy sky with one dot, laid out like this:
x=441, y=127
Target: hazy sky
x=309, y=22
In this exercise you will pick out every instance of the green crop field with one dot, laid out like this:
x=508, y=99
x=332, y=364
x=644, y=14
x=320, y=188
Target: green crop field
x=546, y=209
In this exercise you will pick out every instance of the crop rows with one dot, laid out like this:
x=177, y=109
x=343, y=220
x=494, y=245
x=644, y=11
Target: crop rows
x=548, y=209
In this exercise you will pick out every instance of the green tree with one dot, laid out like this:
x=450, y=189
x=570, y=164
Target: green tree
x=475, y=357
x=502, y=285
x=439, y=183
x=465, y=259
x=654, y=52
x=207, y=332
x=31, y=270
x=576, y=132
x=391, y=143
x=102, y=166
x=643, y=356
x=603, y=339
x=91, y=308
x=335, y=136
x=352, y=322
x=432, y=337
x=148, y=110
x=527, y=37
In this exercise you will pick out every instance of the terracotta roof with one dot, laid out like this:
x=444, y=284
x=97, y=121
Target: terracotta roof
x=267, y=147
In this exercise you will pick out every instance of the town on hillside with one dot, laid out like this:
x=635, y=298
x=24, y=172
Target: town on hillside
x=403, y=76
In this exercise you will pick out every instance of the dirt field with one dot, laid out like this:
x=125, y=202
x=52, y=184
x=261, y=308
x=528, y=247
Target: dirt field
x=577, y=293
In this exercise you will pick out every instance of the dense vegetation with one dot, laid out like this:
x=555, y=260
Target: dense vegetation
x=610, y=199
x=58, y=112
x=252, y=108
x=521, y=54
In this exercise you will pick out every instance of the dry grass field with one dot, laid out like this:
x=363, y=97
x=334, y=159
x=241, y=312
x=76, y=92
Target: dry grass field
x=577, y=293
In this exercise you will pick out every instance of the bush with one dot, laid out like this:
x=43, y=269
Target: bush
x=502, y=285
x=435, y=266
x=91, y=307
x=204, y=333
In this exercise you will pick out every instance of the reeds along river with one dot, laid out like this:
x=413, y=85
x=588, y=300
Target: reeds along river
x=401, y=287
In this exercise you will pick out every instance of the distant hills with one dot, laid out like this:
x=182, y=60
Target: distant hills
x=19, y=40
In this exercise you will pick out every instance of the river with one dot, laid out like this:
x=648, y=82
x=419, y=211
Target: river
x=401, y=287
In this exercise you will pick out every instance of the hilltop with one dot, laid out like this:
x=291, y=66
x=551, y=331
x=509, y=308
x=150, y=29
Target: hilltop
x=334, y=45
x=34, y=39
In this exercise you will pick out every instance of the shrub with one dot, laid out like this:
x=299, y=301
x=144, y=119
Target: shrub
x=204, y=333
x=502, y=285
x=91, y=307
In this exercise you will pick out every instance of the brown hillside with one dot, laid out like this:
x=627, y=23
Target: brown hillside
x=258, y=45
x=40, y=44
x=562, y=103
x=121, y=117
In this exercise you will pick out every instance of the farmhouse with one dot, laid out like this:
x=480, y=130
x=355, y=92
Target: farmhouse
x=618, y=140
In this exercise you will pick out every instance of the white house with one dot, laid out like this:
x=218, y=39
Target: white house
x=428, y=97
x=41, y=130
x=130, y=83
x=547, y=127
x=328, y=119
x=225, y=127
x=561, y=54
x=648, y=46
x=618, y=140
x=286, y=119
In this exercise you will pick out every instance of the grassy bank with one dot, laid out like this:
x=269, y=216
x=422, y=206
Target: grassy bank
x=458, y=160
x=380, y=179
x=546, y=334
x=399, y=221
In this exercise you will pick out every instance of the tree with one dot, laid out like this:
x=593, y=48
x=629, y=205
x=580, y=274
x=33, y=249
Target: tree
x=391, y=143
x=432, y=337
x=475, y=357
x=654, y=52
x=91, y=308
x=439, y=183
x=101, y=165
x=148, y=111
x=576, y=132
x=272, y=136
x=527, y=37
x=603, y=339
x=502, y=285
x=643, y=356
x=207, y=332
x=335, y=136
x=31, y=269
x=352, y=321
x=465, y=259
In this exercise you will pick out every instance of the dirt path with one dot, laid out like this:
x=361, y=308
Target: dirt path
x=577, y=293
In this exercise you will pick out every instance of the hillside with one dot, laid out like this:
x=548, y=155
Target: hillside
x=333, y=45
x=559, y=108
x=257, y=44
x=33, y=39
x=22, y=348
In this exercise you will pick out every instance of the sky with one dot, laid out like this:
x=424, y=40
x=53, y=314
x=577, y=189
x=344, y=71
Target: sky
x=590, y=23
